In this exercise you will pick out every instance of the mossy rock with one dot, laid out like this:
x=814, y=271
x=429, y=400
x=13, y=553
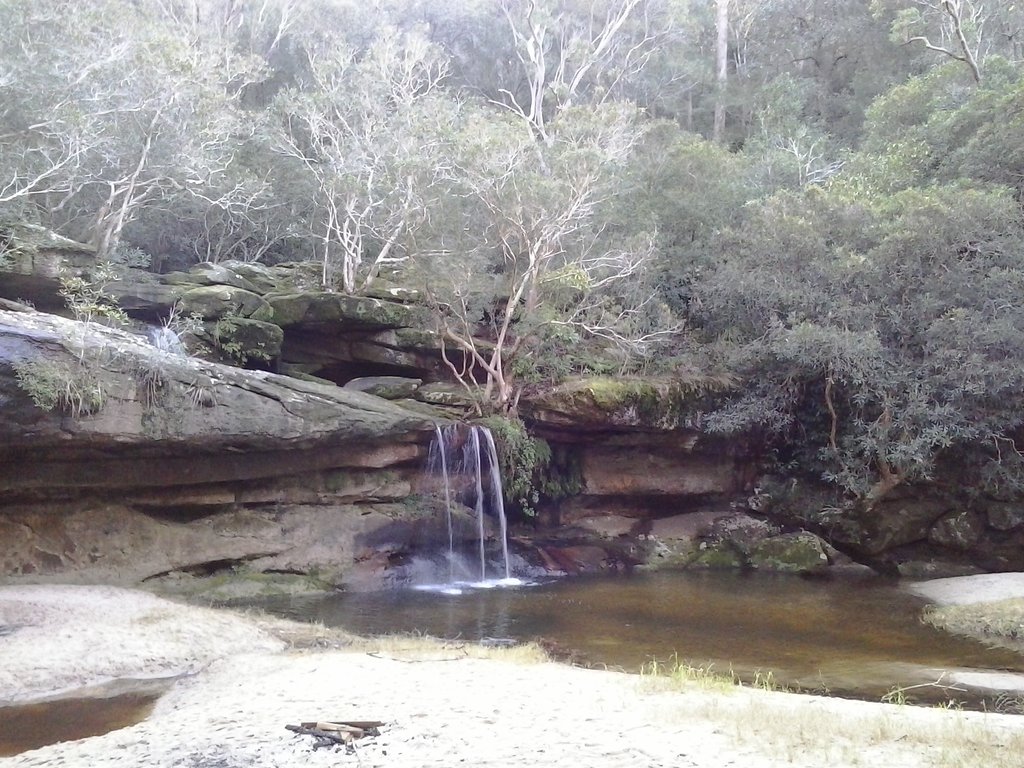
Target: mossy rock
x=666, y=554
x=628, y=402
x=445, y=394
x=801, y=552
x=209, y=274
x=390, y=292
x=322, y=308
x=716, y=558
x=290, y=277
x=241, y=339
x=388, y=387
x=215, y=301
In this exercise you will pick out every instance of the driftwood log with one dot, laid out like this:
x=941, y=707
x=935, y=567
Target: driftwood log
x=329, y=733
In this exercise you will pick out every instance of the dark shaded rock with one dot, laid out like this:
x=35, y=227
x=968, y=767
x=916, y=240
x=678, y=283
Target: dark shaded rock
x=1005, y=516
x=388, y=387
x=34, y=260
x=578, y=558
x=341, y=355
x=892, y=523
x=801, y=552
x=961, y=530
x=241, y=339
x=143, y=295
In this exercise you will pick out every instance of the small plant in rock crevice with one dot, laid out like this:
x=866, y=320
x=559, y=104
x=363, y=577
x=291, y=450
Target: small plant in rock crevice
x=75, y=388
x=72, y=388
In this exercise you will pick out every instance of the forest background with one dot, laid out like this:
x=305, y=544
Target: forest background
x=817, y=201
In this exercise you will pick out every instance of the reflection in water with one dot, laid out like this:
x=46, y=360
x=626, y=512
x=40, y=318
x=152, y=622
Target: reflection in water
x=31, y=726
x=852, y=637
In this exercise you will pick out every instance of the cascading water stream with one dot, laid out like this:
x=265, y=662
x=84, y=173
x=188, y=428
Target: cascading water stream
x=478, y=455
x=439, y=454
x=473, y=460
x=498, y=501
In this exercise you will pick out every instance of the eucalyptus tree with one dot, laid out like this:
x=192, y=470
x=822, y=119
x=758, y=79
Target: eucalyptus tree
x=112, y=120
x=365, y=130
x=528, y=256
x=966, y=31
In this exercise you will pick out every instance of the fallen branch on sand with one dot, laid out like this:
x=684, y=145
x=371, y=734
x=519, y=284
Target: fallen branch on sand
x=329, y=734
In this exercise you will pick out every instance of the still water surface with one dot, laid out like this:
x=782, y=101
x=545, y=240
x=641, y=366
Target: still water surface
x=855, y=637
x=30, y=726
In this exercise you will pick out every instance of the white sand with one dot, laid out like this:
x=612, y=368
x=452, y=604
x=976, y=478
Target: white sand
x=441, y=709
x=70, y=637
x=964, y=590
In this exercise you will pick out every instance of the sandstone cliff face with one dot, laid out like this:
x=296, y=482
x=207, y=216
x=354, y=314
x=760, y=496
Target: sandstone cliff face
x=149, y=462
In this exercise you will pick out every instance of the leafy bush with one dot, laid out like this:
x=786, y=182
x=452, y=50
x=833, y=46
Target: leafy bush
x=885, y=330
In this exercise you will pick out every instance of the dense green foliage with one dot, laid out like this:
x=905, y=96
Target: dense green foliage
x=833, y=216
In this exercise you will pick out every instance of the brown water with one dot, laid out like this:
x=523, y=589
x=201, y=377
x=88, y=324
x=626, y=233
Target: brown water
x=858, y=637
x=31, y=726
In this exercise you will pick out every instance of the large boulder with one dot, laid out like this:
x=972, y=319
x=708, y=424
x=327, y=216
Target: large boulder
x=329, y=335
x=801, y=552
x=34, y=260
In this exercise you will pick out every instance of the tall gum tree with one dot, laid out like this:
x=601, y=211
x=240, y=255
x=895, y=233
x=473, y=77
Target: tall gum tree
x=364, y=131
x=115, y=120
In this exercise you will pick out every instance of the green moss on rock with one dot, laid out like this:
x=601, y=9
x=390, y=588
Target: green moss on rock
x=720, y=557
x=658, y=403
x=801, y=552
x=319, y=308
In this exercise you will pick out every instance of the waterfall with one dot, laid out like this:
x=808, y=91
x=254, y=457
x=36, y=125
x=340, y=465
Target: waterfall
x=437, y=459
x=498, y=500
x=166, y=340
x=478, y=460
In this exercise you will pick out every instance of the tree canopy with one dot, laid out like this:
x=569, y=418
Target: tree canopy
x=822, y=198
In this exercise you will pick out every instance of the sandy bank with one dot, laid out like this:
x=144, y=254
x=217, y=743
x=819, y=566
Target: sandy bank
x=966, y=590
x=442, y=707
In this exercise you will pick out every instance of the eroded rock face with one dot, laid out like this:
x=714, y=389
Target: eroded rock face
x=168, y=463
x=634, y=471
